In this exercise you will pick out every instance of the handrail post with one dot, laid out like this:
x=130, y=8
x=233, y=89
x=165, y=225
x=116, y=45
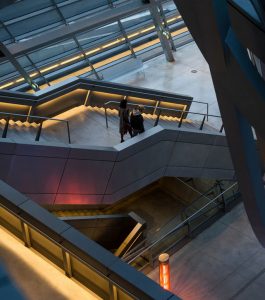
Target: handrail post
x=68, y=132
x=150, y=258
x=189, y=229
x=6, y=127
x=203, y=120
x=157, y=118
x=180, y=121
x=207, y=109
x=221, y=129
x=106, y=117
x=39, y=132
x=67, y=263
x=156, y=106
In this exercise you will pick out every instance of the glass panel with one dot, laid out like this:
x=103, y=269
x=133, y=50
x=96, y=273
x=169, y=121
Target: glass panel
x=90, y=278
x=4, y=35
x=53, y=52
x=99, y=36
x=22, y=8
x=35, y=22
x=7, y=70
x=11, y=222
x=46, y=247
x=136, y=21
x=74, y=10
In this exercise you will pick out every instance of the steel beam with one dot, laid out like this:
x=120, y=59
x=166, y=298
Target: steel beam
x=164, y=19
x=162, y=32
x=17, y=65
x=100, y=19
x=224, y=38
x=126, y=38
x=86, y=57
x=37, y=69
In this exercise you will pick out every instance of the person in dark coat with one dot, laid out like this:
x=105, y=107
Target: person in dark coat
x=124, y=119
x=137, y=120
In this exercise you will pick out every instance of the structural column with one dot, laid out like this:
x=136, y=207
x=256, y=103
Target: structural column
x=162, y=32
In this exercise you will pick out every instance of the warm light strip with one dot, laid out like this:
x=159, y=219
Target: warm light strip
x=70, y=60
x=99, y=48
x=113, y=58
x=110, y=44
x=20, y=80
x=173, y=19
x=133, y=34
x=147, y=29
x=93, y=51
x=23, y=79
x=49, y=68
x=33, y=74
x=177, y=32
x=6, y=85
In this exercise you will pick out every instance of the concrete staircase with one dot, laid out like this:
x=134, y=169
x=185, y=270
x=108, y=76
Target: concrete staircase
x=88, y=127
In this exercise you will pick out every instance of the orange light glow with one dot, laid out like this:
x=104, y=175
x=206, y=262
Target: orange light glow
x=164, y=271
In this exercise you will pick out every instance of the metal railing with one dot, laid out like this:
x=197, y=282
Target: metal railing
x=42, y=119
x=201, y=198
x=43, y=232
x=184, y=228
x=160, y=109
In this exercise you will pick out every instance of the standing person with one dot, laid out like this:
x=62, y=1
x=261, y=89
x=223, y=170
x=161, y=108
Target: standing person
x=137, y=120
x=124, y=119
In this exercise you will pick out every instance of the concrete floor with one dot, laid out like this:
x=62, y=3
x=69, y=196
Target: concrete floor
x=189, y=75
x=87, y=125
x=224, y=262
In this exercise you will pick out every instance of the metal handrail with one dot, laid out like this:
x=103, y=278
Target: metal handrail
x=192, y=101
x=9, y=115
x=162, y=109
x=192, y=188
x=204, y=195
x=180, y=225
x=66, y=249
x=156, y=95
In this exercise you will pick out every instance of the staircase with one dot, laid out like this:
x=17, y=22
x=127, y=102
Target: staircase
x=88, y=127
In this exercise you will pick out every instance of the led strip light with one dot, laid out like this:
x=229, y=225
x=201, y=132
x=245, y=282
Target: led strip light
x=101, y=63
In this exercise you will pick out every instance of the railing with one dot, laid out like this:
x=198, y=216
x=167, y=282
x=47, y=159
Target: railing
x=184, y=229
x=160, y=109
x=38, y=134
x=79, y=257
x=198, y=201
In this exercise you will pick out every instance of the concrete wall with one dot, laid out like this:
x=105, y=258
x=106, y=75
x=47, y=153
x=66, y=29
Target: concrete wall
x=59, y=174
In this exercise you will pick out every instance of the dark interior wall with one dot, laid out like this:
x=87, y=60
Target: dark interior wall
x=109, y=230
x=59, y=174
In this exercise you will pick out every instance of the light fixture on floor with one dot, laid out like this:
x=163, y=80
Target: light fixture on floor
x=164, y=271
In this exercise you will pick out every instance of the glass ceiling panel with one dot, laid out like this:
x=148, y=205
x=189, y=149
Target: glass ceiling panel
x=22, y=8
x=103, y=46
x=82, y=6
x=34, y=23
x=54, y=52
x=137, y=20
x=99, y=35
